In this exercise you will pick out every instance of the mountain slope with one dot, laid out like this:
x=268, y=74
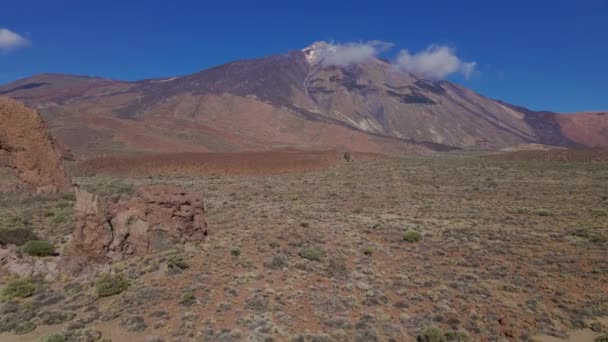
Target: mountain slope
x=291, y=100
x=588, y=129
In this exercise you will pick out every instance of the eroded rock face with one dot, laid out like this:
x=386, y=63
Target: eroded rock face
x=152, y=220
x=27, y=147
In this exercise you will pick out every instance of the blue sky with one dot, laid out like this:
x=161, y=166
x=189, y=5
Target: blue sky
x=549, y=55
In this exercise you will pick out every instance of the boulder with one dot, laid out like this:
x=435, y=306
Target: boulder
x=153, y=219
x=29, y=150
x=20, y=265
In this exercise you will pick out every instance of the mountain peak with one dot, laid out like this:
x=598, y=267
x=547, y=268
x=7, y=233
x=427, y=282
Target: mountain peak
x=315, y=50
x=320, y=44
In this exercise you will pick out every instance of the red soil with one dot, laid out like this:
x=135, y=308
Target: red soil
x=589, y=129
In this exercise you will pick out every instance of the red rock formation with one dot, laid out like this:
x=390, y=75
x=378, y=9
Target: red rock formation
x=27, y=147
x=154, y=219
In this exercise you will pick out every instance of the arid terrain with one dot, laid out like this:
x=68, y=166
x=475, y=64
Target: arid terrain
x=483, y=249
x=292, y=198
x=194, y=164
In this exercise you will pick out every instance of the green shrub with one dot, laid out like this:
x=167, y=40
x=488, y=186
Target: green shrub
x=188, y=299
x=432, y=334
x=347, y=157
x=109, y=285
x=59, y=217
x=368, y=251
x=53, y=338
x=543, y=212
x=603, y=338
x=177, y=262
x=16, y=236
x=38, y=248
x=457, y=336
x=412, y=236
x=435, y=334
x=235, y=251
x=599, y=212
x=20, y=288
x=312, y=253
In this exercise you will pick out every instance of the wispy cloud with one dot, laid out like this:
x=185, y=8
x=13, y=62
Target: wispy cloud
x=351, y=53
x=10, y=41
x=435, y=62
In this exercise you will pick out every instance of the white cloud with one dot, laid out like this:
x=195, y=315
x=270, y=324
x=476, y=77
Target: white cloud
x=436, y=62
x=351, y=53
x=10, y=40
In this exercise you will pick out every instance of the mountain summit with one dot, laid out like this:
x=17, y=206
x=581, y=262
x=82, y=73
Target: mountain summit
x=314, y=51
x=304, y=99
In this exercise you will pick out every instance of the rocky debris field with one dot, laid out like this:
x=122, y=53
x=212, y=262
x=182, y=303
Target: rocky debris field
x=428, y=249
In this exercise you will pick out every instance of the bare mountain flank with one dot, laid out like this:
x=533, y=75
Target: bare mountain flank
x=292, y=100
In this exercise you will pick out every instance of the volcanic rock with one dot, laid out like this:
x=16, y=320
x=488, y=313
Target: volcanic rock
x=27, y=147
x=152, y=220
x=13, y=262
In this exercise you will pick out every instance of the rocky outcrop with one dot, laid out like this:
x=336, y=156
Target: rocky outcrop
x=16, y=263
x=152, y=220
x=27, y=147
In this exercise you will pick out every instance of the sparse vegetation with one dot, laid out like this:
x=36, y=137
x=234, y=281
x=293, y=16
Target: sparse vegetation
x=543, y=212
x=412, y=236
x=432, y=334
x=121, y=187
x=16, y=236
x=53, y=338
x=602, y=338
x=435, y=334
x=277, y=262
x=188, y=299
x=19, y=288
x=457, y=336
x=312, y=253
x=363, y=280
x=235, y=251
x=111, y=284
x=39, y=248
x=177, y=262
x=337, y=267
x=347, y=157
